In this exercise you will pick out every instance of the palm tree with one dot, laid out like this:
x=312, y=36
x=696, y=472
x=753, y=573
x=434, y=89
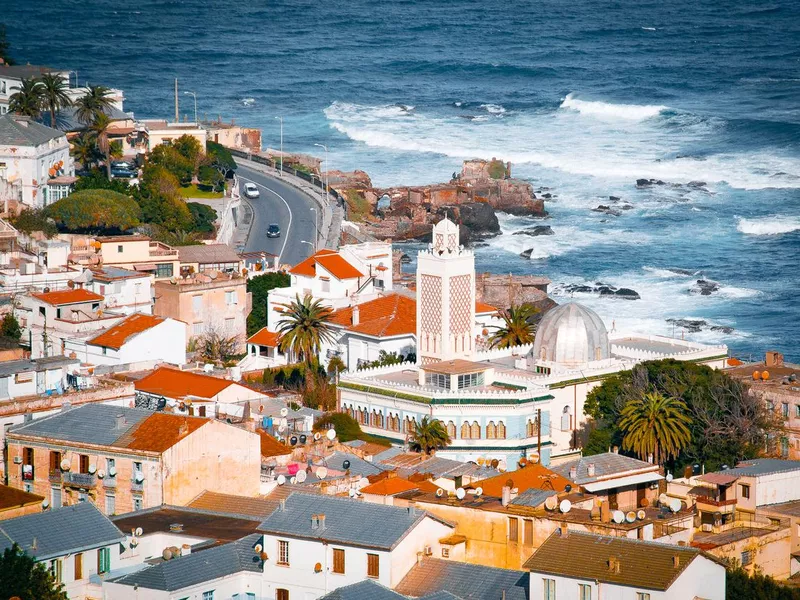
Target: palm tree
x=517, y=328
x=97, y=100
x=429, y=435
x=84, y=150
x=27, y=100
x=304, y=327
x=98, y=131
x=54, y=95
x=655, y=425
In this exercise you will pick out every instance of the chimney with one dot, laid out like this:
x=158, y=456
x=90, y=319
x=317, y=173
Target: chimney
x=506, y=495
x=411, y=511
x=590, y=469
x=605, y=512
x=321, y=519
x=419, y=558
x=573, y=473
x=186, y=550
x=120, y=424
x=613, y=565
x=27, y=417
x=564, y=530
x=314, y=521
x=650, y=458
x=356, y=315
x=676, y=561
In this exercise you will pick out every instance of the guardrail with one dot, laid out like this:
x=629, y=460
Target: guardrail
x=287, y=168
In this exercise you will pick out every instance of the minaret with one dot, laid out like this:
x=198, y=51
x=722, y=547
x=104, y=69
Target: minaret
x=445, y=297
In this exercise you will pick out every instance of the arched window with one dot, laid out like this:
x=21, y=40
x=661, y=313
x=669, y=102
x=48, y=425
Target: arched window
x=501, y=430
x=491, y=431
x=364, y=417
x=465, y=431
x=475, y=431
x=451, y=430
x=565, y=419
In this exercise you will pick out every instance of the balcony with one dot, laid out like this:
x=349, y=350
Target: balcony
x=80, y=480
x=161, y=249
x=54, y=476
x=137, y=487
x=725, y=507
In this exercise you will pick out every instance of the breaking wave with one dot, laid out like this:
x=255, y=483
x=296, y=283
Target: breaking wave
x=772, y=225
x=606, y=110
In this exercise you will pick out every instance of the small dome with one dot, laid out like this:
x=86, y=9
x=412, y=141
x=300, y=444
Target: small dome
x=571, y=335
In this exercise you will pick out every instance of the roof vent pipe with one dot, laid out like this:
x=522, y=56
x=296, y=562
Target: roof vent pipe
x=356, y=315
x=506, y=495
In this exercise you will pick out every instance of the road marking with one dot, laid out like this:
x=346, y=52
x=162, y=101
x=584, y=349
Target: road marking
x=288, y=208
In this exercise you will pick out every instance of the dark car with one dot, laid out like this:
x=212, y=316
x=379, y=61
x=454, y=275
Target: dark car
x=273, y=231
x=123, y=173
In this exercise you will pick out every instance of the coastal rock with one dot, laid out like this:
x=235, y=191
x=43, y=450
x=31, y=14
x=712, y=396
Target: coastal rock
x=607, y=210
x=605, y=290
x=624, y=293
x=526, y=253
x=690, y=325
x=648, y=182
x=677, y=271
x=477, y=219
x=704, y=287
x=722, y=328
x=538, y=230
x=614, y=198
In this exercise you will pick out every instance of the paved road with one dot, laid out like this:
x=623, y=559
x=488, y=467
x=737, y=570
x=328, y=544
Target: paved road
x=285, y=205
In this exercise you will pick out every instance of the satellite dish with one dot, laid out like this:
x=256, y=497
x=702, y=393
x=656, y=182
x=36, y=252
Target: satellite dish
x=674, y=505
x=303, y=439
x=439, y=493
x=101, y=474
x=501, y=465
x=139, y=532
x=363, y=482
x=322, y=473
x=565, y=506
x=281, y=479
x=479, y=491
x=45, y=503
x=351, y=492
x=460, y=493
x=669, y=477
x=92, y=469
x=284, y=411
x=331, y=434
x=317, y=567
x=301, y=476
x=293, y=440
x=641, y=515
x=65, y=465
x=551, y=502
x=293, y=480
x=663, y=499
x=618, y=516
x=112, y=471
x=138, y=476
x=630, y=517
x=317, y=436
x=346, y=465
x=258, y=548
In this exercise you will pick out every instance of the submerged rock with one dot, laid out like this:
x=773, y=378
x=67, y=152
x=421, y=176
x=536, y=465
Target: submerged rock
x=538, y=230
x=607, y=210
x=624, y=293
x=722, y=328
x=690, y=325
x=704, y=287
x=526, y=253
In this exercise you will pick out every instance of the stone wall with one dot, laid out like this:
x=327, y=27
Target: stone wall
x=504, y=291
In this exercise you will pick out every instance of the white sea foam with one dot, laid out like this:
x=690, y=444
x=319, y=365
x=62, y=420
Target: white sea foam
x=606, y=110
x=494, y=109
x=649, y=28
x=772, y=225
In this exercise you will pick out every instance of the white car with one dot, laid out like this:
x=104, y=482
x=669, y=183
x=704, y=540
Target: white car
x=250, y=190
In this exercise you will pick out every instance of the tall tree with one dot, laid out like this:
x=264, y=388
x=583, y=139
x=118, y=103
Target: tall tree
x=518, y=327
x=260, y=287
x=429, y=435
x=98, y=130
x=305, y=326
x=54, y=95
x=27, y=100
x=655, y=425
x=97, y=99
x=22, y=577
x=84, y=150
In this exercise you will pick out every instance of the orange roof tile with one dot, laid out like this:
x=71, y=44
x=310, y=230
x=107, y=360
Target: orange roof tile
x=119, y=334
x=159, y=432
x=533, y=475
x=328, y=260
x=174, y=383
x=482, y=308
x=383, y=317
x=392, y=486
x=68, y=297
x=270, y=446
x=264, y=337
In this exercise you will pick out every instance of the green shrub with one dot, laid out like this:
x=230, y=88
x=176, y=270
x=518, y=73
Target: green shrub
x=95, y=211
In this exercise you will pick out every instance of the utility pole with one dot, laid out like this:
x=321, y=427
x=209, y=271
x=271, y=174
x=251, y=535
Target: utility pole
x=177, y=116
x=539, y=434
x=281, y=158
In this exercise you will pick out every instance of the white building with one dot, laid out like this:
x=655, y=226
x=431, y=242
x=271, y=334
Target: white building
x=500, y=404
x=36, y=168
x=317, y=543
x=138, y=341
x=77, y=544
x=572, y=565
x=24, y=377
x=125, y=291
x=11, y=77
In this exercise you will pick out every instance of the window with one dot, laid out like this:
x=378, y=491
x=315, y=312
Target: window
x=584, y=591
x=373, y=566
x=642, y=596
x=58, y=313
x=747, y=557
x=120, y=249
x=163, y=270
x=209, y=595
x=491, y=430
x=283, y=552
x=326, y=285
x=79, y=566
x=41, y=311
x=451, y=430
x=470, y=380
x=84, y=463
x=797, y=411
x=475, y=431
x=230, y=325
x=338, y=561
x=785, y=410
x=784, y=447
x=513, y=529
x=55, y=496
x=437, y=380
x=501, y=430
x=197, y=304
x=744, y=490
x=56, y=569
x=230, y=298
x=281, y=594
x=549, y=586
x=83, y=496
x=465, y=431
x=111, y=463
x=103, y=560
x=137, y=502
x=527, y=532
x=197, y=329
x=27, y=487
x=111, y=504
x=201, y=411
x=55, y=462
x=445, y=552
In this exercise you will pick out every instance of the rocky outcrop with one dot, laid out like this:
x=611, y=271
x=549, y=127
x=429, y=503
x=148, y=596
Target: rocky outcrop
x=349, y=180
x=604, y=290
x=698, y=325
x=504, y=291
x=538, y=230
x=704, y=287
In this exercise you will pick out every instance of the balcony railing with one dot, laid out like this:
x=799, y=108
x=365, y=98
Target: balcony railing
x=54, y=476
x=83, y=480
x=110, y=482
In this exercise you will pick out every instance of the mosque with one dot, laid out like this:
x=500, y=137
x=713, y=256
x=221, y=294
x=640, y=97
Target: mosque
x=498, y=405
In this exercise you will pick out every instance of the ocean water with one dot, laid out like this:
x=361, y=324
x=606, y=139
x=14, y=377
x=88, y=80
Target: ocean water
x=583, y=97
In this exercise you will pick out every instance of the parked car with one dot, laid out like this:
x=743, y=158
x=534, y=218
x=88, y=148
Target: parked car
x=273, y=231
x=123, y=173
x=250, y=190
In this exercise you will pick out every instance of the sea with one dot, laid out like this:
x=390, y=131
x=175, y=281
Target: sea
x=583, y=97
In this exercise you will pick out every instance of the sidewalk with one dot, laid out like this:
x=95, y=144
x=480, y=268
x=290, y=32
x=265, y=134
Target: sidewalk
x=332, y=213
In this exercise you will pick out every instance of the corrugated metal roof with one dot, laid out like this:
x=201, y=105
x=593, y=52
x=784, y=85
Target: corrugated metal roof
x=234, y=505
x=198, y=567
x=533, y=497
x=472, y=582
x=60, y=531
x=350, y=522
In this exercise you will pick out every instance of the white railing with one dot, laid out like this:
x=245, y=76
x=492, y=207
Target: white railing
x=494, y=353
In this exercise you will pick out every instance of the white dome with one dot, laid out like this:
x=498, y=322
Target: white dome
x=571, y=335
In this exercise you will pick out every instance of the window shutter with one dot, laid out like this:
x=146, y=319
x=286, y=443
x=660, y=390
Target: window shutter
x=338, y=560
x=373, y=566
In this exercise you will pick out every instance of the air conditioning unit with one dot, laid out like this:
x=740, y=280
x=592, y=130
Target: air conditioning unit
x=17, y=460
x=708, y=527
x=428, y=551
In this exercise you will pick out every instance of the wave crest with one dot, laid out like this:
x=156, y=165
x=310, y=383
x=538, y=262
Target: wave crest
x=606, y=110
x=772, y=225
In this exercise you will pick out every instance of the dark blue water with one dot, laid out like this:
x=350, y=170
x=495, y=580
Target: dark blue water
x=583, y=97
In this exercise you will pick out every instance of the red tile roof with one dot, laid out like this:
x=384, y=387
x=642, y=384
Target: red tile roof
x=483, y=308
x=174, y=383
x=383, y=317
x=159, y=432
x=13, y=498
x=533, y=475
x=264, y=337
x=397, y=485
x=119, y=334
x=328, y=260
x=68, y=297
x=270, y=446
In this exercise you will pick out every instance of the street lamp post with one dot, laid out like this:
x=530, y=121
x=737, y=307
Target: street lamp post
x=316, y=228
x=327, y=180
x=281, y=170
x=313, y=247
x=195, y=104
